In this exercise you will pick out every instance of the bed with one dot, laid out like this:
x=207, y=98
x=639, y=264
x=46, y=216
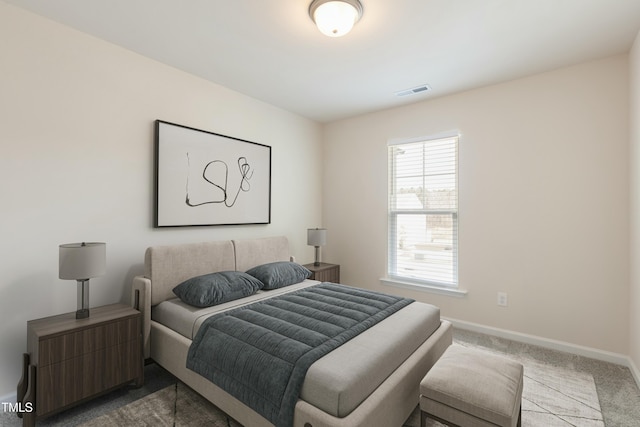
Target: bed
x=371, y=380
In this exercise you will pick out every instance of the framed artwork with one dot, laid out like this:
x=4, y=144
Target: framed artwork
x=204, y=178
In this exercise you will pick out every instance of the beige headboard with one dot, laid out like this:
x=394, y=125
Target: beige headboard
x=168, y=266
x=253, y=252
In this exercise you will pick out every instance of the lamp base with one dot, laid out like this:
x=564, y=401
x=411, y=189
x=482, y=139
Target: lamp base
x=83, y=299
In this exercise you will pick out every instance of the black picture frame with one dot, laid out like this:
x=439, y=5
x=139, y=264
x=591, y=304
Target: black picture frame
x=204, y=178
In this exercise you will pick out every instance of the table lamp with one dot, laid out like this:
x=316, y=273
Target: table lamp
x=81, y=261
x=317, y=237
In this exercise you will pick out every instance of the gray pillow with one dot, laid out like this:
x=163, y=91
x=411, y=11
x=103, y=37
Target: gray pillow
x=279, y=274
x=217, y=288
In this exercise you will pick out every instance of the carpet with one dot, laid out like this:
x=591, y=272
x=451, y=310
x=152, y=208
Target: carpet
x=552, y=397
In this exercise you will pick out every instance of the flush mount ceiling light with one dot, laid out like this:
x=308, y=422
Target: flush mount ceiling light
x=335, y=18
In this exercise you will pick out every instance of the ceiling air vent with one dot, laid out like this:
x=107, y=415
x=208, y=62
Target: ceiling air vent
x=414, y=90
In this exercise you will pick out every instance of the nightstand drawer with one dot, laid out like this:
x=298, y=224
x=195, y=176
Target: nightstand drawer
x=74, y=344
x=71, y=360
x=63, y=383
x=324, y=272
x=328, y=275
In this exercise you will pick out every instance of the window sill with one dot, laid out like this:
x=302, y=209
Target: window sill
x=460, y=293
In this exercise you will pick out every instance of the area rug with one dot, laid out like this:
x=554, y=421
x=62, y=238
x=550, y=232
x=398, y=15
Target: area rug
x=552, y=397
x=176, y=405
x=559, y=397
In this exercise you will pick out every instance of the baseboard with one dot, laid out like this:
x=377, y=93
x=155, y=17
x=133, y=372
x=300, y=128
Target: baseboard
x=579, y=350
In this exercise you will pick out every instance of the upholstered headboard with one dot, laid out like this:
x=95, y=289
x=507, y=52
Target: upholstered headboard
x=168, y=266
x=253, y=252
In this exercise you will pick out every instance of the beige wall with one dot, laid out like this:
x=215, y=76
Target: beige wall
x=634, y=60
x=76, y=137
x=544, y=205
x=543, y=165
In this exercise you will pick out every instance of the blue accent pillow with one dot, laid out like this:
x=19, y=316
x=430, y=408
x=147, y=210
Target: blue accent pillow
x=217, y=288
x=279, y=274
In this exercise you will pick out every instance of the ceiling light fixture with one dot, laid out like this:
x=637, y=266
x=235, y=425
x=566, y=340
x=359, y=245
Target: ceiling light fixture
x=335, y=18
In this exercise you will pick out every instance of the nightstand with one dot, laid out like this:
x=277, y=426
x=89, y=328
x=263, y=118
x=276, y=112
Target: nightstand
x=325, y=272
x=71, y=360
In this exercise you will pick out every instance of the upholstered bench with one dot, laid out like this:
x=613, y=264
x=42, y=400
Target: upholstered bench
x=468, y=388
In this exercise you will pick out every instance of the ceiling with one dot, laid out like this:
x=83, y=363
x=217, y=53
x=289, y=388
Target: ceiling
x=271, y=50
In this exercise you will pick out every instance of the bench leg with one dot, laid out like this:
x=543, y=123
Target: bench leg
x=424, y=416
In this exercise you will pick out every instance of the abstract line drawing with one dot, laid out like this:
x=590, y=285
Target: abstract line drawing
x=245, y=176
x=205, y=178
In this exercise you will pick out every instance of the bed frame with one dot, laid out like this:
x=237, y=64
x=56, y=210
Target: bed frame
x=166, y=266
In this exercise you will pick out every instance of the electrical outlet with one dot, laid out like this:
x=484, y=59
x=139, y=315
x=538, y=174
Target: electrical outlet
x=502, y=299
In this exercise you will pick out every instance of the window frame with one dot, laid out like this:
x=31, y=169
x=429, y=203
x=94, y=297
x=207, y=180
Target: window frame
x=393, y=213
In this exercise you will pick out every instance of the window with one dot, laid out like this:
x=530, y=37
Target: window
x=423, y=211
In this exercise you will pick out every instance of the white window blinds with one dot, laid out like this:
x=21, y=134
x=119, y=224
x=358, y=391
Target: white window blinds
x=423, y=210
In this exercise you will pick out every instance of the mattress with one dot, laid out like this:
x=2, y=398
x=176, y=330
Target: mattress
x=341, y=380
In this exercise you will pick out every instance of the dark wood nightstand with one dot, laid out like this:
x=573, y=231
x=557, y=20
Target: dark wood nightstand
x=71, y=360
x=325, y=272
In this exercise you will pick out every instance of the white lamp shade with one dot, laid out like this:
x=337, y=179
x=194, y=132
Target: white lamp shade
x=79, y=261
x=316, y=236
x=336, y=18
